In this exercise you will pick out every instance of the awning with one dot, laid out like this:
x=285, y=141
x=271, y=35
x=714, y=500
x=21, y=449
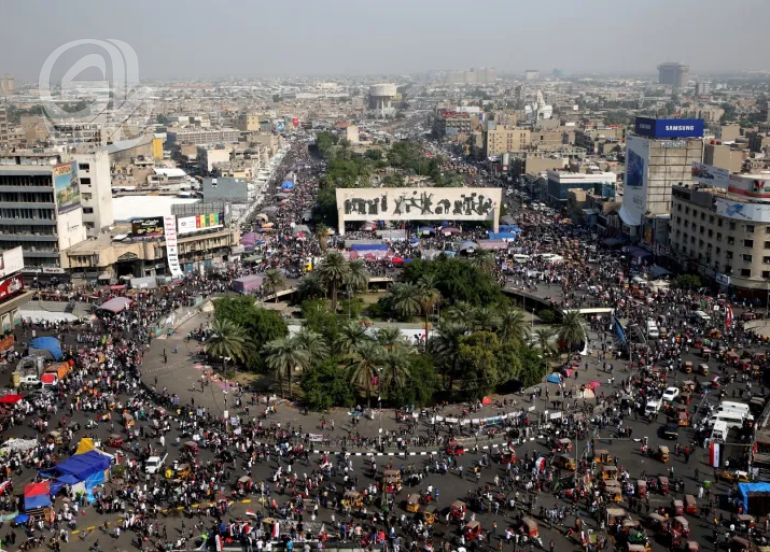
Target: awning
x=116, y=304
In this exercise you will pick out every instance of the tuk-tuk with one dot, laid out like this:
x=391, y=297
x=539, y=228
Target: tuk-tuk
x=391, y=481
x=615, y=516
x=689, y=546
x=566, y=462
x=747, y=520
x=128, y=420
x=563, y=445
x=705, y=352
x=454, y=449
x=677, y=507
x=602, y=456
x=182, y=471
x=352, y=499
x=613, y=491
x=429, y=515
x=638, y=547
x=656, y=522
x=687, y=367
x=663, y=485
x=472, y=530
x=244, y=483
x=680, y=526
x=703, y=369
x=528, y=527
x=54, y=437
x=662, y=454
x=609, y=472
x=413, y=503
x=641, y=488
x=738, y=544
x=506, y=457
x=688, y=386
x=191, y=447
x=457, y=510
x=115, y=441
x=734, y=476
x=690, y=505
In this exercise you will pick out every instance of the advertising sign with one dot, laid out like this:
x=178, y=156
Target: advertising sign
x=755, y=186
x=188, y=225
x=668, y=128
x=750, y=212
x=635, y=195
x=66, y=187
x=11, y=261
x=6, y=344
x=172, y=250
x=367, y=204
x=710, y=175
x=147, y=227
x=10, y=286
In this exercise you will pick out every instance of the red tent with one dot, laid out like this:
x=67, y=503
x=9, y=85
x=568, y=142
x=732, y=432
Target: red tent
x=10, y=399
x=353, y=255
x=397, y=260
x=35, y=489
x=486, y=400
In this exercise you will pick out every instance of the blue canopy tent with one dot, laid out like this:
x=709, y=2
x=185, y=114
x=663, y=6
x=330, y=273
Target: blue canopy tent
x=88, y=467
x=503, y=235
x=414, y=241
x=369, y=247
x=747, y=489
x=554, y=377
x=509, y=228
x=287, y=185
x=50, y=344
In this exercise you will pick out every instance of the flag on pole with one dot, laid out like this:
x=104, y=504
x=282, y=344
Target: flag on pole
x=218, y=543
x=729, y=318
x=714, y=455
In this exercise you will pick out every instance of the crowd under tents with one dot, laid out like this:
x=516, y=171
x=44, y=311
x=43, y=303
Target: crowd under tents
x=116, y=305
x=86, y=469
x=46, y=347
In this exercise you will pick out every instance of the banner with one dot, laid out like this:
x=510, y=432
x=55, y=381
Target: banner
x=172, y=251
x=714, y=455
x=10, y=286
x=11, y=261
x=147, y=227
x=6, y=344
x=188, y=225
x=709, y=175
x=66, y=187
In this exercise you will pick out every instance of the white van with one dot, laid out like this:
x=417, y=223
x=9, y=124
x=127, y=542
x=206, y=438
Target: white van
x=652, y=330
x=652, y=407
x=730, y=406
x=719, y=431
x=519, y=258
x=732, y=419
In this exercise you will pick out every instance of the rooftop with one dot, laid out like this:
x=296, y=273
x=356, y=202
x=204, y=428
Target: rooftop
x=127, y=208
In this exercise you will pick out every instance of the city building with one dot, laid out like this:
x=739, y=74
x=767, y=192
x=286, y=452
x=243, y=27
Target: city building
x=456, y=121
x=209, y=156
x=201, y=136
x=723, y=156
x=4, y=125
x=725, y=233
x=538, y=110
x=381, y=99
x=702, y=88
x=498, y=139
x=6, y=85
x=352, y=134
x=531, y=74
x=94, y=175
x=599, y=141
x=659, y=154
x=561, y=182
x=229, y=189
x=673, y=74
x=40, y=206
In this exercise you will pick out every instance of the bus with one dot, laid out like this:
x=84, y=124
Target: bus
x=732, y=419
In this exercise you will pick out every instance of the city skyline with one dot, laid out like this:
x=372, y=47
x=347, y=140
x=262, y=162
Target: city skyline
x=240, y=39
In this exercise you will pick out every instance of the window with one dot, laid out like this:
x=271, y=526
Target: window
x=711, y=219
x=719, y=250
x=702, y=215
x=766, y=260
x=747, y=258
x=86, y=181
x=729, y=254
x=84, y=166
x=719, y=236
x=730, y=240
x=749, y=228
x=732, y=226
x=702, y=229
x=88, y=197
x=728, y=269
x=748, y=243
x=88, y=210
x=719, y=223
x=746, y=272
x=766, y=274
x=686, y=210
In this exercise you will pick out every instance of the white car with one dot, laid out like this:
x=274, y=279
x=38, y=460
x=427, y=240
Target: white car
x=670, y=394
x=154, y=463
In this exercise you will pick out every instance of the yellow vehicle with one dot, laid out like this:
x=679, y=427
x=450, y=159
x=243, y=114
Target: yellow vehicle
x=429, y=515
x=565, y=461
x=352, y=499
x=663, y=454
x=391, y=481
x=733, y=476
x=613, y=491
x=413, y=503
x=602, y=456
x=609, y=472
x=687, y=367
x=182, y=471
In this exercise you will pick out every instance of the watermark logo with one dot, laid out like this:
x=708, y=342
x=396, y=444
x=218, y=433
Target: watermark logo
x=120, y=109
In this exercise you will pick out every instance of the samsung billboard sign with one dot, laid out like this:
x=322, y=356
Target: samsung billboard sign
x=669, y=128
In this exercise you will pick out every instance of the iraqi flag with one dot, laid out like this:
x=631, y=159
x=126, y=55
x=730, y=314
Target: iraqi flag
x=540, y=464
x=276, y=534
x=218, y=543
x=251, y=513
x=729, y=317
x=714, y=455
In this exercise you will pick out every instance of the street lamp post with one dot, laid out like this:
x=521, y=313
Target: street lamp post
x=379, y=409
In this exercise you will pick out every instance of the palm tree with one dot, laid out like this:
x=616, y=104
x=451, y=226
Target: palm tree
x=429, y=298
x=352, y=334
x=358, y=276
x=310, y=287
x=485, y=319
x=544, y=341
x=274, y=282
x=395, y=369
x=283, y=357
x=572, y=332
x=445, y=344
x=405, y=299
x=322, y=236
x=227, y=340
x=390, y=337
x=334, y=272
x=484, y=260
x=513, y=326
x=312, y=343
x=364, y=367
x=461, y=311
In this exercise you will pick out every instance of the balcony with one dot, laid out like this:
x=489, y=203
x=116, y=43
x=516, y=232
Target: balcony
x=27, y=238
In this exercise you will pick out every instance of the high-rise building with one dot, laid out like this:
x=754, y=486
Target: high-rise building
x=94, y=175
x=702, y=88
x=531, y=74
x=6, y=85
x=673, y=74
x=4, y=126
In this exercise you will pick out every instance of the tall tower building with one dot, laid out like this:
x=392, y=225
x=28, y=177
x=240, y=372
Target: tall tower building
x=673, y=74
x=6, y=84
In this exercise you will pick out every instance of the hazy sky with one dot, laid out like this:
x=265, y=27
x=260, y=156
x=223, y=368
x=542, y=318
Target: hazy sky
x=214, y=38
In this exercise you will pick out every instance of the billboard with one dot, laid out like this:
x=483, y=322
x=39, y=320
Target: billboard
x=738, y=210
x=188, y=225
x=172, y=249
x=635, y=193
x=450, y=204
x=668, y=128
x=710, y=175
x=10, y=286
x=11, y=261
x=755, y=186
x=147, y=228
x=66, y=187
